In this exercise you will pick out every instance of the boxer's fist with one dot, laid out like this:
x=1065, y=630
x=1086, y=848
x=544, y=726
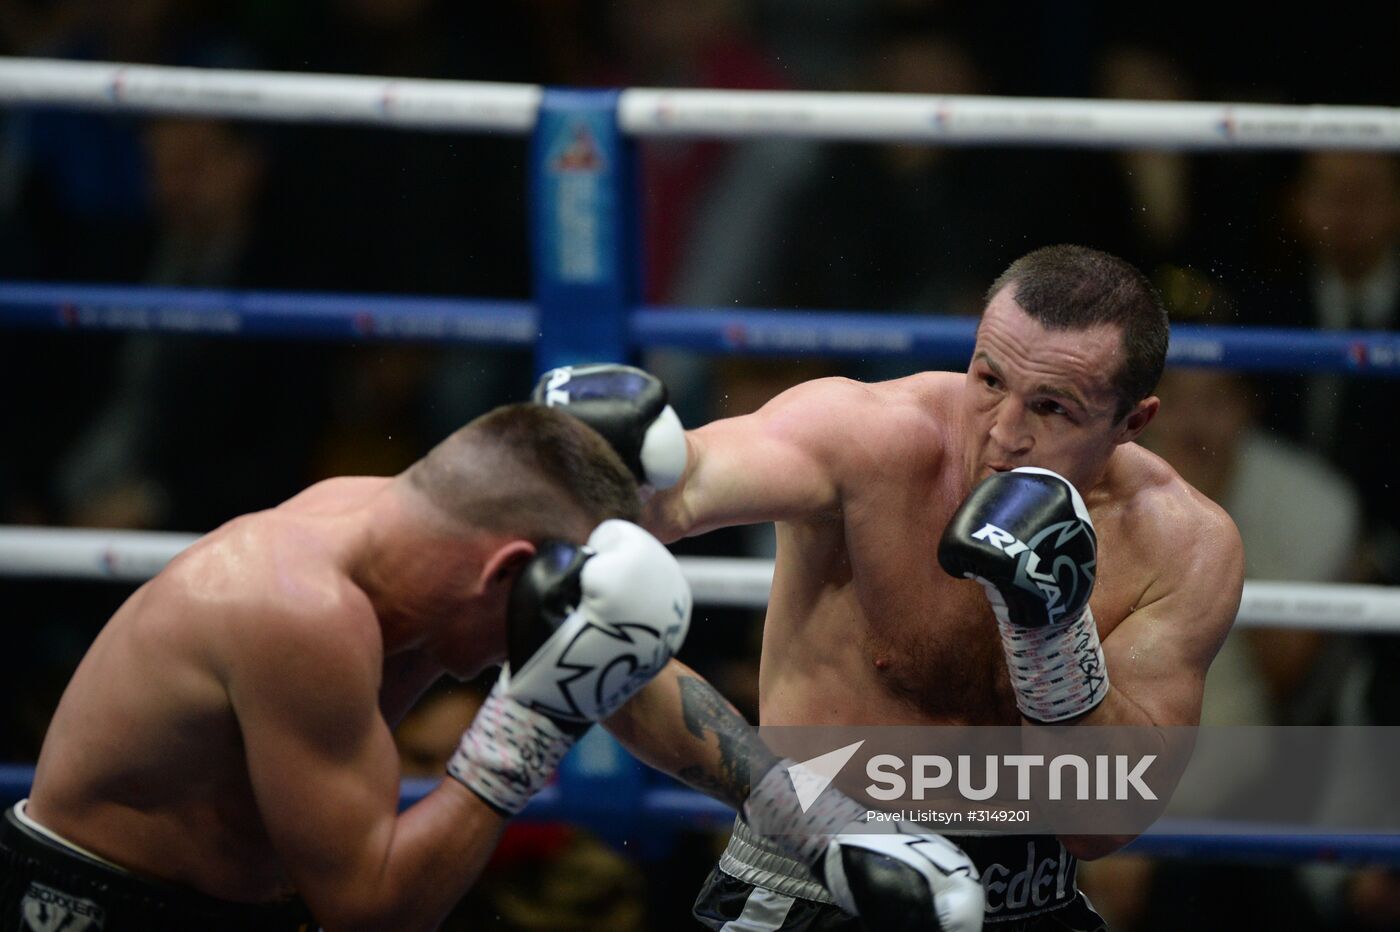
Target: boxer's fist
x=904, y=880
x=628, y=407
x=588, y=627
x=891, y=877
x=1026, y=536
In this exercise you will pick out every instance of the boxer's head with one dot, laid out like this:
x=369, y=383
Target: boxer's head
x=1070, y=347
x=527, y=471
x=495, y=489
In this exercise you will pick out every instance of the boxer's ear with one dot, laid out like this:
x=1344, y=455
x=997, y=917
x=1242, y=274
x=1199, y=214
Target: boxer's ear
x=1136, y=420
x=504, y=564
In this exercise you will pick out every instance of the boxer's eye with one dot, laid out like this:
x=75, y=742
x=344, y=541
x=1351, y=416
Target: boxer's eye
x=991, y=381
x=1052, y=407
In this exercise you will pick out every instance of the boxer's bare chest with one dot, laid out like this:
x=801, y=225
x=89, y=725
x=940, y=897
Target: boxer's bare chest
x=926, y=641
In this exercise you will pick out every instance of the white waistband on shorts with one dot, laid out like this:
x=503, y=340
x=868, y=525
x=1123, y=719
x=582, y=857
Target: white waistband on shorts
x=28, y=822
x=753, y=859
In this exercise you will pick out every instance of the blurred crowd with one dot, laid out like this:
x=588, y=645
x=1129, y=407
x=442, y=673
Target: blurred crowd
x=183, y=432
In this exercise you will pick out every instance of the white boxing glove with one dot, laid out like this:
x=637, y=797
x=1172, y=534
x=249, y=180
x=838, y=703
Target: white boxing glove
x=588, y=628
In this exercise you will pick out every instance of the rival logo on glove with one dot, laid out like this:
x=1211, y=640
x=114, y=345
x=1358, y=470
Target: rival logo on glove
x=1028, y=572
x=554, y=393
x=585, y=685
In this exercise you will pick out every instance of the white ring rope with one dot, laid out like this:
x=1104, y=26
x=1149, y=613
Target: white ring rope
x=1006, y=120
x=271, y=95
x=512, y=108
x=134, y=556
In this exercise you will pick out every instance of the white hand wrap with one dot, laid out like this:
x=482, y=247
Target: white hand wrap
x=509, y=753
x=1058, y=671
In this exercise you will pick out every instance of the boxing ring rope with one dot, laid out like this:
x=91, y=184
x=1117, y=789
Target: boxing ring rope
x=598, y=288
x=728, y=331
x=511, y=108
x=733, y=582
x=134, y=556
x=213, y=312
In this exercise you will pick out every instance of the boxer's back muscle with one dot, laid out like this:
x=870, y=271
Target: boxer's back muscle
x=144, y=762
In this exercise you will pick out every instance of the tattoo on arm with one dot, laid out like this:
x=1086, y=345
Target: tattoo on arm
x=726, y=778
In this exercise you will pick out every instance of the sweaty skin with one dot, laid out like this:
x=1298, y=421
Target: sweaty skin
x=863, y=627
x=229, y=730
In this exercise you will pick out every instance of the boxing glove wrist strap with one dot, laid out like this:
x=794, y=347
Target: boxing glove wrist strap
x=1058, y=671
x=509, y=753
x=773, y=809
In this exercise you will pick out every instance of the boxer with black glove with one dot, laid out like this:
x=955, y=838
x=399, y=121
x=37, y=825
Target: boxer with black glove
x=588, y=628
x=628, y=407
x=1025, y=535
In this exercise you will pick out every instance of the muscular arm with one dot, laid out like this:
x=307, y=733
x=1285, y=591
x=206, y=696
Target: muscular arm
x=682, y=726
x=406, y=677
x=1158, y=656
x=305, y=687
x=777, y=464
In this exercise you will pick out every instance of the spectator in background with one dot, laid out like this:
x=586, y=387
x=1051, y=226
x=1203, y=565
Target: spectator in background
x=1150, y=191
x=1346, y=206
x=82, y=180
x=72, y=208
x=685, y=43
x=1209, y=433
x=895, y=226
x=1346, y=213
x=183, y=408
x=364, y=210
x=1300, y=521
x=709, y=207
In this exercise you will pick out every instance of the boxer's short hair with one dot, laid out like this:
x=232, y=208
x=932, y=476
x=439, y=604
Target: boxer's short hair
x=1075, y=288
x=527, y=470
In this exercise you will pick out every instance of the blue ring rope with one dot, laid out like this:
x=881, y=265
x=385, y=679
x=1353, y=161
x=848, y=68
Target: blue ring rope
x=727, y=331
x=266, y=314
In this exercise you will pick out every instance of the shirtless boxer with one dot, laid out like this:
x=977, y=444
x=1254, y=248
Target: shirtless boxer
x=222, y=758
x=864, y=627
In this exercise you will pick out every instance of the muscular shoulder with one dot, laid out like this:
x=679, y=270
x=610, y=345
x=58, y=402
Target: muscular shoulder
x=1166, y=523
x=269, y=585
x=862, y=420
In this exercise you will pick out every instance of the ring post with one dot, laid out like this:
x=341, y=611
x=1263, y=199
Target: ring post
x=584, y=216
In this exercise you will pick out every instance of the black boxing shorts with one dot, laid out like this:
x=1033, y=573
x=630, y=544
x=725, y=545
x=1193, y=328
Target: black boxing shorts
x=1029, y=880
x=46, y=885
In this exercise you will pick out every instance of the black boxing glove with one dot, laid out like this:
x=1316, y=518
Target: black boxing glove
x=588, y=628
x=1025, y=535
x=628, y=407
x=546, y=594
x=894, y=877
